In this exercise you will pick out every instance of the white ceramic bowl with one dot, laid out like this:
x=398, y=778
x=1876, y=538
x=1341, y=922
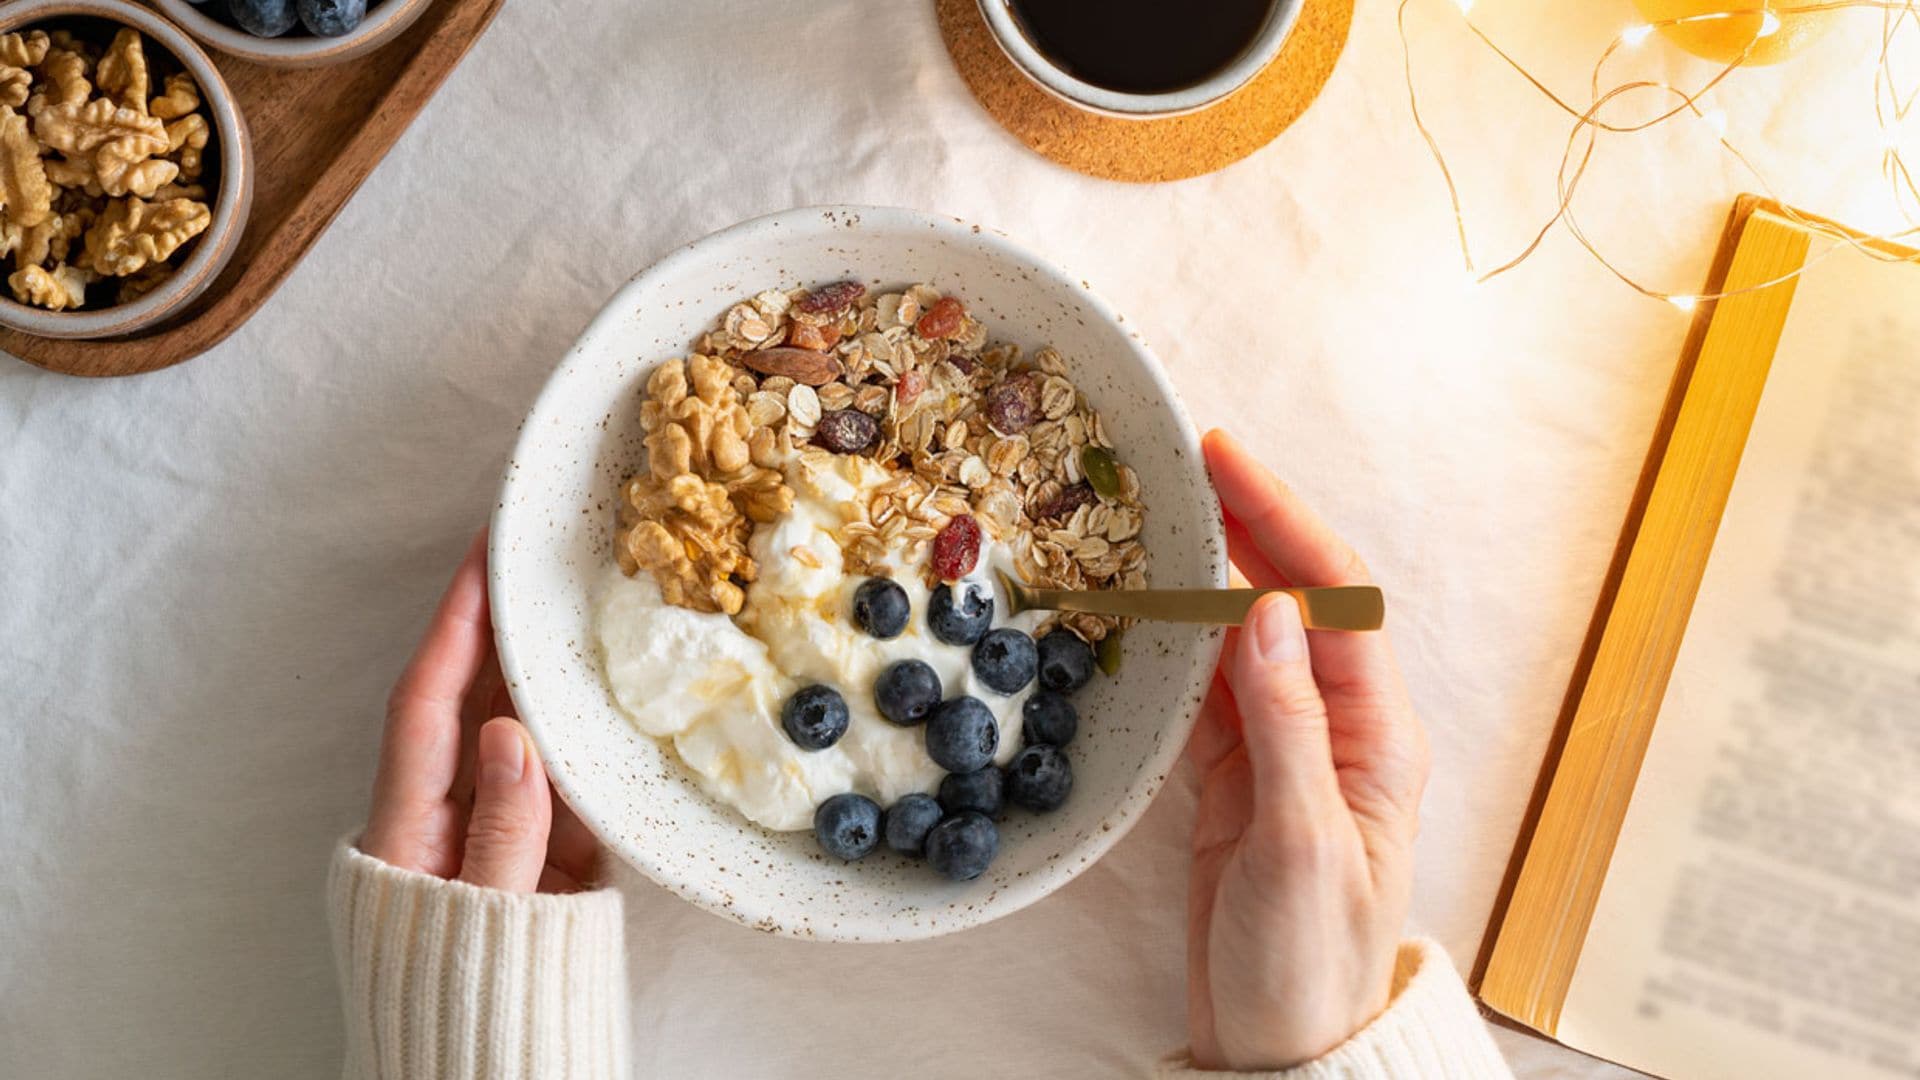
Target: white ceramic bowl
x=386, y=20
x=552, y=535
x=1056, y=80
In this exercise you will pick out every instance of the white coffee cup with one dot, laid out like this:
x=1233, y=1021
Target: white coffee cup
x=1049, y=76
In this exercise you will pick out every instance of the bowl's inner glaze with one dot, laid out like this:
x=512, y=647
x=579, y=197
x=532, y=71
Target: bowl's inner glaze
x=552, y=540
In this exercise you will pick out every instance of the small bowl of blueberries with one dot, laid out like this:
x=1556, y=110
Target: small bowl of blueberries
x=294, y=33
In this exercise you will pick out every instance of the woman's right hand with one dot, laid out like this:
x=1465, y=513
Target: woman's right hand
x=1312, y=764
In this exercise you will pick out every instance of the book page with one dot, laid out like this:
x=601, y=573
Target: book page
x=1761, y=913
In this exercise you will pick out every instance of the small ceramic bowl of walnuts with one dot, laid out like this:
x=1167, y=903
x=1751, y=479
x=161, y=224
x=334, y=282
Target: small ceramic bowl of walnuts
x=125, y=168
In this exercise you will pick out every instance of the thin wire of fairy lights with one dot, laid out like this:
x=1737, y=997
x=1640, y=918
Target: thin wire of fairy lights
x=1891, y=105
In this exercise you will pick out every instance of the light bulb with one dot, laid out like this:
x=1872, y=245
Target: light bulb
x=1633, y=36
x=1684, y=303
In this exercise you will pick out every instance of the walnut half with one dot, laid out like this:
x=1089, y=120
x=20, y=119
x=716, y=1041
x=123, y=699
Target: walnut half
x=59, y=289
x=687, y=518
x=131, y=233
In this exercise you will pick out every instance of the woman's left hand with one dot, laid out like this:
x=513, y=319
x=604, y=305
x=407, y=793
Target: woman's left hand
x=461, y=792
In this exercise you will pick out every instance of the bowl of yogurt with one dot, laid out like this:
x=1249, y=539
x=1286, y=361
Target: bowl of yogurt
x=671, y=611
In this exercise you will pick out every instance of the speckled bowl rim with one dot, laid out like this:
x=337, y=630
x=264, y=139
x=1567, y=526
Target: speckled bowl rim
x=1151, y=775
x=386, y=20
x=231, y=204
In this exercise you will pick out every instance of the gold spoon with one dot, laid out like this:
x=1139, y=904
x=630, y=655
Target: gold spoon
x=1333, y=607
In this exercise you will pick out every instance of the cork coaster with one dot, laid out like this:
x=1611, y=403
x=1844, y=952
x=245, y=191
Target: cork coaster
x=1146, y=151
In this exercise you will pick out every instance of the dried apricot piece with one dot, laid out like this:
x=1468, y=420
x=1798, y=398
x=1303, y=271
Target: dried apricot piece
x=817, y=338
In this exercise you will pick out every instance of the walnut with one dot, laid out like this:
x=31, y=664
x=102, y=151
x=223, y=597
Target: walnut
x=122, y=72
x=63, y=81
x=688, y=516
x=120, y=139
x=65, y=228
x=140, y=284
x=15, y=84
x=86, y=127
x=66, y=172
x=690, y=537
x=69, y=41
x=59, y=289
x=141, y=178
x=24, y=50
x=182, y=97
x=28, y=244
x=186, y=140
x=132, y=232
x=25, y=194
x=196, y=192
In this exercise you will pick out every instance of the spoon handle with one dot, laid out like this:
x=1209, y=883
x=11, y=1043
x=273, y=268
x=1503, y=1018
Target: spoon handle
x=1336, y=607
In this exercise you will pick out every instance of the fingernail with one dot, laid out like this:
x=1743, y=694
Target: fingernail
x=1277, y=631
x=503, y=753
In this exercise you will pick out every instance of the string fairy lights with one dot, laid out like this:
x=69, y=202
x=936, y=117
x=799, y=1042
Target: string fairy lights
x=1892, y=103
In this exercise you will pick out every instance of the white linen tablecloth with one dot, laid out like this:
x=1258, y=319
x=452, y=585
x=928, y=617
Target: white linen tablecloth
x=209, y=576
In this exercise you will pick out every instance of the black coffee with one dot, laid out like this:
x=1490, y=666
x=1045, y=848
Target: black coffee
x=1142, y=46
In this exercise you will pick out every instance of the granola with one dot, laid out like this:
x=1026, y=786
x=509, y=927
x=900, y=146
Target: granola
x=100, y=177
x=965, y=426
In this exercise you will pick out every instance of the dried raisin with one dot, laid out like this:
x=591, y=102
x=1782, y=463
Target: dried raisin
x=942, y=320
x=956, y=548
x=846, y=431
x=1014, y=405
x=831, y=299
x=1071, y=498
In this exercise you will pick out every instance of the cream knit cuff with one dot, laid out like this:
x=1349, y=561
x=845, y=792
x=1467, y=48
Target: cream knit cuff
x=444, y=979
x=1431, y=1030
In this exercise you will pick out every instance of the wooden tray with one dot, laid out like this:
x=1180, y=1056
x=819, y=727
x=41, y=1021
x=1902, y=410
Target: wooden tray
x=317, y=133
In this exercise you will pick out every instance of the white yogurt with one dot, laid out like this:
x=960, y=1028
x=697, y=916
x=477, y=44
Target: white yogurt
x=714, y=685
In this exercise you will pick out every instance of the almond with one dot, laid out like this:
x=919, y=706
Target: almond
x=801, y=365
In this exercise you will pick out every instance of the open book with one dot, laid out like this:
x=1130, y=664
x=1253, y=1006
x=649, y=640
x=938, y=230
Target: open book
x=1721, y=877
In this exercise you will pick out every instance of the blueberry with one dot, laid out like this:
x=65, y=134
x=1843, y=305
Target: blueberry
x=815, y=717
x=1048, y=718
x=1005, y=660
x=962, y=735
x=1039, y=778
x=909, y=821
x=263, y=18
x=880, y=607
x=907, y=692
x=960, y=622
x=847, y=826
x=1066, y=662
x=332, y=18
x=962, y=846
x=978, y=791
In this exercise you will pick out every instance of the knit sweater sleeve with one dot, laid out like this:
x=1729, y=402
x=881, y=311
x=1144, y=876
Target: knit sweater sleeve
x=444, y=979
x=1430, y=1030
